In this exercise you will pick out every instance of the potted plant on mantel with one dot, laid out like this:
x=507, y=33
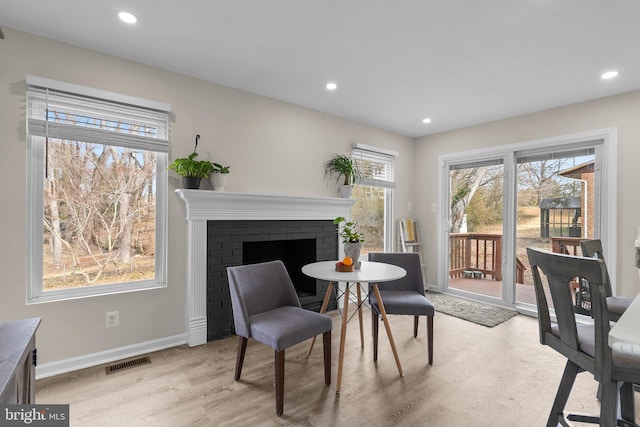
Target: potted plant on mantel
x=192, y=170
x=219, y=176
x=351, y=238
x=344, y=167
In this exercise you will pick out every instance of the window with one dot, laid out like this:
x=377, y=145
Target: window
x=96, y=170
x=374, y=197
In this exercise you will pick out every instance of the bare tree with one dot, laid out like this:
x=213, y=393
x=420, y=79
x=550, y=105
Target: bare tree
x=98, y=193
x=464, y=184
x=52, y=221
x=541, y=177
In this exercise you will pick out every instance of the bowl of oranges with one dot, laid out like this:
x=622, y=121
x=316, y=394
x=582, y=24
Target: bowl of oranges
x=345, y=266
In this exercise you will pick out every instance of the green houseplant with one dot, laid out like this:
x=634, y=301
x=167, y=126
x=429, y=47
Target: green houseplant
x=344, y=169
x=192, y=170
x=351, y=238
x=218, y=168
x=219, y=176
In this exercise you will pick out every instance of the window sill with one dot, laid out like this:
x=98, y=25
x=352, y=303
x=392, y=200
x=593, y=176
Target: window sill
x=92, y=291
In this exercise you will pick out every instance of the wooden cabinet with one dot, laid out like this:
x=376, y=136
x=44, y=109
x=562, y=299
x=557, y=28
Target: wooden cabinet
x=18, y=361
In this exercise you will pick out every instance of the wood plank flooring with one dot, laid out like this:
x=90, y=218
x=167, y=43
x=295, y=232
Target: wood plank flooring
x=481, y=376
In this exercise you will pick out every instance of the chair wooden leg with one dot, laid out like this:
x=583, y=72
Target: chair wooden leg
x=375, y=324
x=564, y=389
x=242, y=348
x=430, y=338
x=279, y=362
x=326, y=345
x=415, y=326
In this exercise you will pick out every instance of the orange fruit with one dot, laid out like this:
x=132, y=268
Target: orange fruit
x=347, y=260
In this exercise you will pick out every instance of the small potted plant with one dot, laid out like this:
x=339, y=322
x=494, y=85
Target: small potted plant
x=192, y=170
x=346, y=171
x=351, y=238
x=219, y=176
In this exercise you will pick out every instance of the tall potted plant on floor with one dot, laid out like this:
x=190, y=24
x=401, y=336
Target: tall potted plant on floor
x=351, y=238
x=346, y=171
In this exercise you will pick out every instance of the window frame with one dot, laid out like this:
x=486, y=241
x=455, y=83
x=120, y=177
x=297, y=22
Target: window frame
x=35, y=292
x=381, y=155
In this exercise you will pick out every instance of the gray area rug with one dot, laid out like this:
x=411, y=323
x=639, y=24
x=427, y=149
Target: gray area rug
x=476, y=312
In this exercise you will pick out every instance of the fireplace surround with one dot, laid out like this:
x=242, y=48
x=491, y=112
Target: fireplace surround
x=294, y=242
x=201, y=206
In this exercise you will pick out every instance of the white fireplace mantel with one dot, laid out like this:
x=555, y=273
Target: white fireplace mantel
x=200, y=206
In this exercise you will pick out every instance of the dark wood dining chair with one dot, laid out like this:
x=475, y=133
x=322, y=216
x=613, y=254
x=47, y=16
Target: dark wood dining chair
x=585, y=345
x=267, y=309
x=403, y=296
x=615, y=305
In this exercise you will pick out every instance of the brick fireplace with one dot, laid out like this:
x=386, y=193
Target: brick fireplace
x=279, y=218
x=295, y=242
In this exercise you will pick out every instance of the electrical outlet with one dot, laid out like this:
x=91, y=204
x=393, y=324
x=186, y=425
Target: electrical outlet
x=111, y=319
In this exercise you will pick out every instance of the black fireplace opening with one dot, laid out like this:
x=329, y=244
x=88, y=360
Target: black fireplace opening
x=293, y=253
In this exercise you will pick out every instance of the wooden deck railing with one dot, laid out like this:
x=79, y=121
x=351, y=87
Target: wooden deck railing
x=566, y=245
x=476, y=252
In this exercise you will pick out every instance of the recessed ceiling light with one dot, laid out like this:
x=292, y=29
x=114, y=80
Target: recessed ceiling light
x=426, y=120
x=609, y=75
x=127, y=17
x=331, y=86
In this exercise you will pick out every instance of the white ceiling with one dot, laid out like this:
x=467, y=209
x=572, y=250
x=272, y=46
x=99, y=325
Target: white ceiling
x=460, y=62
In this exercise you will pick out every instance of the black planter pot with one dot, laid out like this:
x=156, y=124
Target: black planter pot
x=191, y=182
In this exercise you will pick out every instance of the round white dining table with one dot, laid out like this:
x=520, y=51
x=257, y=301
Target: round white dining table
x=369, y=272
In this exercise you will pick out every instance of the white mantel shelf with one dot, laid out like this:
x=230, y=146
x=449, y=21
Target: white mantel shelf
x=200, y=206
x=212, y=205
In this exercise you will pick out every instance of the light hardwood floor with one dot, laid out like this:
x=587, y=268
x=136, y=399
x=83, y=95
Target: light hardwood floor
x=481, y=376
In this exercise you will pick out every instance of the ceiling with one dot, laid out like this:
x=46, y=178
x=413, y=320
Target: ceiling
x=458, y=62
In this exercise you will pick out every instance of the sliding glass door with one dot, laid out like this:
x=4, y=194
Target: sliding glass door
x=496, y=202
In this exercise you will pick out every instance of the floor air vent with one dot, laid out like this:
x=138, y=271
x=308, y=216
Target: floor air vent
x=127, y=364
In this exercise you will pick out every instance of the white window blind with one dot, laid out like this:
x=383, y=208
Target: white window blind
x=524, y=157
x=54, y=113
x=376, y=165
x=476, y=164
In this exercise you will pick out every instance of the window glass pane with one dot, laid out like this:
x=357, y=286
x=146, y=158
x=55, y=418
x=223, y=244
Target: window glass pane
x=99, y=214
x=369, y=213
x=556, y=210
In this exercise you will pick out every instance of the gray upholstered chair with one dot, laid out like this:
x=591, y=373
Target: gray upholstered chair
x=267, y=309
x=615, y=305
x=585, y=345
x=403, y=296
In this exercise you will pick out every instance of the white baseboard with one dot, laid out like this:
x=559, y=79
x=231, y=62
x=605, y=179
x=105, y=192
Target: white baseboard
x=88, y=360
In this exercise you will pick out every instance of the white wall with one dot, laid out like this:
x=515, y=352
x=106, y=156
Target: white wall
x=621, y=112
x=272, y=147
